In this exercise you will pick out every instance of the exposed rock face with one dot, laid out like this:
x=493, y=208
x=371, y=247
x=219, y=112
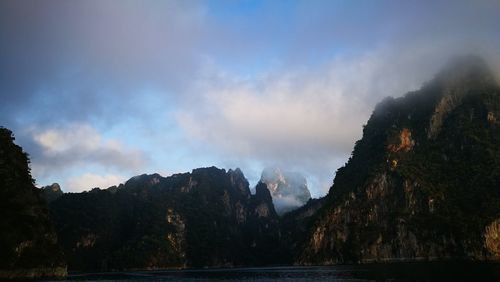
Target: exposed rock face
x=422, y=184
x=288, y=189
x=492, y=239
x=404, y=144
x=262, y=204
x=423, y=181
x=28, y=243
x=457, y=80
x=204, y=218
x=296, y=225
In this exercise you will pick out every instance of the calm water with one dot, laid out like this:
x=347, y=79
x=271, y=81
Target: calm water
x=375, y=272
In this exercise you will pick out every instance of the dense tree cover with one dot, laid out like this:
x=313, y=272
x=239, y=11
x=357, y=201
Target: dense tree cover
x=422, y=182
x=204, y=218
x=440, y=191
x=27, y=239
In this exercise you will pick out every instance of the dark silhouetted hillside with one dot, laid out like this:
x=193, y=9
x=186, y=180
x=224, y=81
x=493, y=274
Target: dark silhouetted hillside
x=28, y=243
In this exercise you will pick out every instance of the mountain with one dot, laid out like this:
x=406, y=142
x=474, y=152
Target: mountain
x=28, y=243
x=423, y=182
x=206, y=218
x=288, y=189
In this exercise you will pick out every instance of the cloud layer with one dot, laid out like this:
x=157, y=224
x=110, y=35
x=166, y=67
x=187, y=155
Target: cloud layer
x=57, y=151
x=97, y=91
x=305, y=119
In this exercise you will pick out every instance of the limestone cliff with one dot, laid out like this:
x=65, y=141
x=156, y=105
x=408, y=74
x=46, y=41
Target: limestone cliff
x=423, y=182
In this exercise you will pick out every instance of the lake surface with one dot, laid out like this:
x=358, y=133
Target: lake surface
x=372, y=272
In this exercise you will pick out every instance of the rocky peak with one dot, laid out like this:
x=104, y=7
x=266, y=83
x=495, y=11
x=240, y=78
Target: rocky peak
x=52, y=192
x=54, y=187
x=238, y=179
x=149, y=179
x=288, y=189
x=263, y=201
x=208, y=171
x=262, y=192
x=236, y=171
x=140, y=183
x=236, y=175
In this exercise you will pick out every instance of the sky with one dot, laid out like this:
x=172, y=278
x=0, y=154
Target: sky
x=98, y=91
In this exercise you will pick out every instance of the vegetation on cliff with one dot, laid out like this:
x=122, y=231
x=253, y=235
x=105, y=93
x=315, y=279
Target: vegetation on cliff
x=422, y=184
x=423, y=181
x=28, y=243
x=204, y=218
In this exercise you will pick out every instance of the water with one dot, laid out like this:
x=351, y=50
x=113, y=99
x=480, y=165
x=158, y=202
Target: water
x=374, y=272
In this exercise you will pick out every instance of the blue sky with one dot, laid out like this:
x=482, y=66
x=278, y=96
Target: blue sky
x=99, y=91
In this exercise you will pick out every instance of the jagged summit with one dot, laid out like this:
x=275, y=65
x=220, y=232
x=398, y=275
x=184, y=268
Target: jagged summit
x=236, y=172
x=55, y=187
x=288, y=189
x=265, y=208
x=206, y=217
x=52, y=192
x=151, y=178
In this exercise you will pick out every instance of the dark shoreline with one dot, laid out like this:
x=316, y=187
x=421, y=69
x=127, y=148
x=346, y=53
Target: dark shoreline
x=456, y=270
x=374, y=265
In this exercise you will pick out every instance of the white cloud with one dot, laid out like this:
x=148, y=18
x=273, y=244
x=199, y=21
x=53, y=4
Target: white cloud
x=302, y=116
x=294, y=107
x=57, y=151
x=88, y=181
x=77, y=136
x=300, y=119
x=304, y=119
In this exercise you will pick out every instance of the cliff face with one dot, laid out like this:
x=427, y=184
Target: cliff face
x=204, y=218
x=28, y=243
x=423, y=181
x=296, y=226
x=422, y=184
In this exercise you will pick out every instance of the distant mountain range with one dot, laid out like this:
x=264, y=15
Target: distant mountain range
x=422, y=184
